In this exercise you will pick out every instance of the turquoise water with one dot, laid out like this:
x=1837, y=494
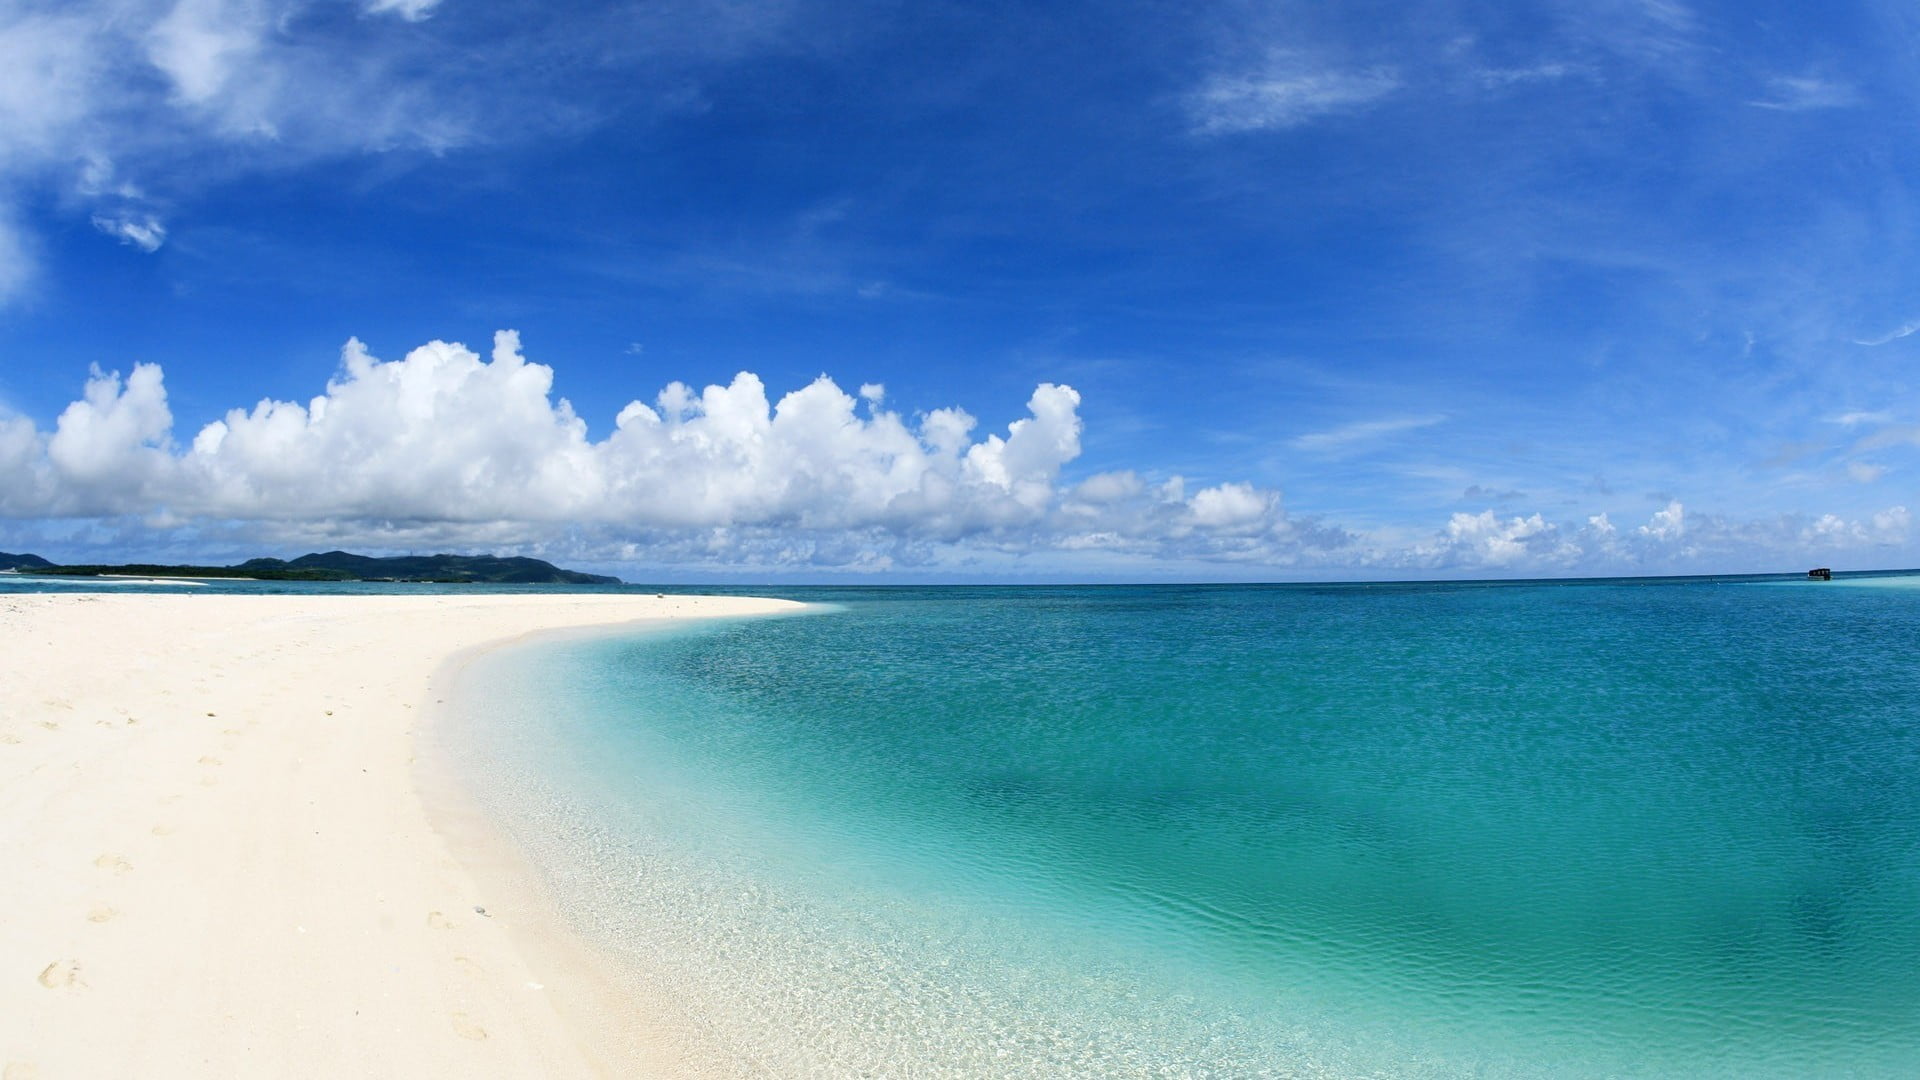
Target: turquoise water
x=1601, y=829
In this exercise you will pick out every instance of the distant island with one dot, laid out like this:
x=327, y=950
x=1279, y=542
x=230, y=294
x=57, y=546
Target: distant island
x=338, y=566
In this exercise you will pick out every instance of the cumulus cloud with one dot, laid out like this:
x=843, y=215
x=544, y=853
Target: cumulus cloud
x=1667, y=524
x=445, y=448
x=1486, y=540
x=1232, y=507
x=444, y=437
x=1892, y=526
x=1888, y=527
x=1287, y=91
x=1109, y=487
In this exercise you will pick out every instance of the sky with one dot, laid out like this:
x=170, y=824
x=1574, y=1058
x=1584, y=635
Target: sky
x=807, y=290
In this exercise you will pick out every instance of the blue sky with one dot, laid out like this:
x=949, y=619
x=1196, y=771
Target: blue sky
x=1444, y=289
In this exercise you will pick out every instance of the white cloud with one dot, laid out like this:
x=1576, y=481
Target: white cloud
x=1865, y=472
x=1361, y=433
x=122, y=109
x=1109, y=487
x=1855, y=419
x=1806, y=92
x=410, y=10
x=1485, y=540
x=443, y=443
x=105, y=83
x=199, y=44
x=446, y=449
x=1892, y=526
x=105, y=101
x=1233, y=507
x=1904, y=330
x=1287, y=91
x=1501, y=78
x=1829, y=532
x=48, y=65
x=109, y=448
x=1667, y=524
x=143, y=231
x=22, y=467
x=443, y=435
x=1892, y=435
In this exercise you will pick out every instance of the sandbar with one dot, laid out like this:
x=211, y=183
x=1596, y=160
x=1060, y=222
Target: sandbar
x=220, y=858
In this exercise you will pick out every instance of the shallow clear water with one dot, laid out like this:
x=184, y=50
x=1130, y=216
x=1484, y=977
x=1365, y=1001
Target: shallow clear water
x=1614, y=829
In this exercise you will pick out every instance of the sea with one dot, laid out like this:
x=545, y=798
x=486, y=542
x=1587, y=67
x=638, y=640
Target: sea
x=1605, y=828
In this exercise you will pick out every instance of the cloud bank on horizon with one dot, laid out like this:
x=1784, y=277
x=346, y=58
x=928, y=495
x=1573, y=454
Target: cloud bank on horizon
x=445, y=447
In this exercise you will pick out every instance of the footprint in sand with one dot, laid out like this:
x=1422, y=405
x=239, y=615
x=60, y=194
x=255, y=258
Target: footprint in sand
x=161, y=830
x=62, y=975
x=464, y=1027
x=469, y=968
x=116, y=863
x=20, y=1070
x=209, y=759
x=437, y=921
x=9, y=738
x=101, y=913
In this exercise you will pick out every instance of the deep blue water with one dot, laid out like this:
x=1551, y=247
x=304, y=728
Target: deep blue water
x=1600, y=829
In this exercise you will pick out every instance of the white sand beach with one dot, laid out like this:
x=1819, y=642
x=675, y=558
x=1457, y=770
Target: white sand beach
x=222, y=859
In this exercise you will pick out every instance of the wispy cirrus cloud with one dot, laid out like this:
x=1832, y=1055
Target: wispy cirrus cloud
x=1859, y=417
x=135, y=229
x=1892, y=435
x=1802, y=93
x=92, y=92
x=1362, y=433
x=115, y=110
x=410, y=10
x=1501, y=78
x=1904, y=330
x=1286, y=91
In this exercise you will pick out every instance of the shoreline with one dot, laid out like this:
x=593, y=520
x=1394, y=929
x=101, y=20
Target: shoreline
x=228, y=855
x=622, y=1028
